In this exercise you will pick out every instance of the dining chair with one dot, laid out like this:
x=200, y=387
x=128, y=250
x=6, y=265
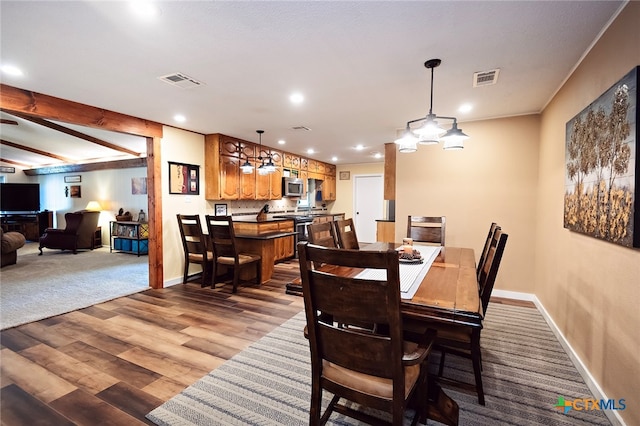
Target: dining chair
x=323, y=234
x=223, y=241
x=426, y=229
x=485, y=250
x=195, y=247
x=380, y=371
x=465, y=341
x=347, y=238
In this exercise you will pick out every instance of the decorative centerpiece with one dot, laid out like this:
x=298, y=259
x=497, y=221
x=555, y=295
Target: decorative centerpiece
x=123, y=216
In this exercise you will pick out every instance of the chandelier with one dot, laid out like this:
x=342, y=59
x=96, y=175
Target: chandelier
x=429, y=131
x=266, y=163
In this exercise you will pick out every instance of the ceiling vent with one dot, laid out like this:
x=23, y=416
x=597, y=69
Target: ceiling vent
x=485, y=78
x=305, y=128
x=181, y=80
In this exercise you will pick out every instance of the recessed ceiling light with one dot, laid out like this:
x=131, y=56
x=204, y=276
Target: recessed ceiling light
x=296, y=98
x=377, y=155
x=334, y=158
x=359, y=147
x=465, y=108
x=179, y=118
x=310, y=151
x=11, y=70
x=282, y=142
x=145, y=8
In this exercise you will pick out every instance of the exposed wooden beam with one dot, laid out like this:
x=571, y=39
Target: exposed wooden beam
x=88, y=167
x=5, y=121
x=15, y=163
x=74, y=133
x=35, y=151
x=13, y=99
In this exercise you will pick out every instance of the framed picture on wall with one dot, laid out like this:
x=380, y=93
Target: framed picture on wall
x=75, y=191
x=221, y=209
x=184, y=179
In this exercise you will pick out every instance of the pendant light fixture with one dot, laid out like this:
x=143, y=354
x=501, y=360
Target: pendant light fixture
x=266, y=163
x=430, y=132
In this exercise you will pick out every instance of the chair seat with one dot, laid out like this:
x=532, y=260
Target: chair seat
x=372, y=385
x=197, y=257
x=242, y=259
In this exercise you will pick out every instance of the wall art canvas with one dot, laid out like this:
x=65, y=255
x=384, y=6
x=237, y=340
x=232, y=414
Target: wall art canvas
x=602, y=171
x=139, y=186
x=184, y=179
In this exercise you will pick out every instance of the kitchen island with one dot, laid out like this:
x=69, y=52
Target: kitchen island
x=272, y=239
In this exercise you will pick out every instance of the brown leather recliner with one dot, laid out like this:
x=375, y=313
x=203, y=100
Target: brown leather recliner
x=79, y=232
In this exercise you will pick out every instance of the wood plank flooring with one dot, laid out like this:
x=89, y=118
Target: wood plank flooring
x=112, y=363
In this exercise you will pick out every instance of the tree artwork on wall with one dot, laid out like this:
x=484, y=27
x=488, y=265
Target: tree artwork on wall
x=601, y=179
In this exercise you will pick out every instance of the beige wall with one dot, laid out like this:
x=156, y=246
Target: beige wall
x=492, y=180
x=182, y=147
x=344, y=188
x=590, y=288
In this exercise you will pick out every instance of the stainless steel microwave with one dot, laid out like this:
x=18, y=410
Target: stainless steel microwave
x=292, y=187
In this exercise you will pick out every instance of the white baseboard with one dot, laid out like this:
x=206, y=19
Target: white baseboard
x=612, y=415
x=516, y=295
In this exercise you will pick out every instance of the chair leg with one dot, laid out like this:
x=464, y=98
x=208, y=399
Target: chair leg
x=186, y=271
x=443, y=352
x=259, y=273
x=477, y=370
x=205, y=267
x=236, y=278
x=213, y=274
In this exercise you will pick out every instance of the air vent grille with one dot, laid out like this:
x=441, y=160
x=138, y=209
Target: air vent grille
x=181, y=80
x=305, y=128
x=485, y=78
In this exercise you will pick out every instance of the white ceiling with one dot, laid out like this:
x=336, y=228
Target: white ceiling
x=358, y=64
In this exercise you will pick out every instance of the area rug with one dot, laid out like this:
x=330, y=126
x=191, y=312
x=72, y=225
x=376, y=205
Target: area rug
x=525, y=372
x=57, y=282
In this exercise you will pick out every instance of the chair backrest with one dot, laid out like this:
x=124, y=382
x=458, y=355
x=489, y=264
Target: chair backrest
x=222, y=236
x=193, y=239
x=347, y=238
x=490, y=268
x=323, y=234
x=427, y=229
x=485, y=250
x=354, y=301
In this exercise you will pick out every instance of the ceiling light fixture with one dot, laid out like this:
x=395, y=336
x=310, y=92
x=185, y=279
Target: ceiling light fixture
x=430, y=132
x=266, y=163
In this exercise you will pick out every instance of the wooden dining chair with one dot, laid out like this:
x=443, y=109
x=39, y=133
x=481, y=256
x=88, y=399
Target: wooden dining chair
x=346, y=231
x=195, y=247
x=380, y=371
x=223, y=241
x=323, y=234
x=465, y=341
x=426, y=229
x=487, y=243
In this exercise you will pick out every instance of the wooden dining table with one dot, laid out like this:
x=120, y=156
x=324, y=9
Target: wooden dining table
x=449, y=291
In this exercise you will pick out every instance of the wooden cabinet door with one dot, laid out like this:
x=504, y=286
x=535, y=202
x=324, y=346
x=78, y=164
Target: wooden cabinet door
x=304, y=175
x=291, y=161
x=321, y=167
x=276, y=184
x=229, y=178
x=329, y=188
x=304, y=163
x=263, y=186
x=230, y=146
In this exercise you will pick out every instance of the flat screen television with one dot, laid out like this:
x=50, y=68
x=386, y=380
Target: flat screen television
x=19, y=197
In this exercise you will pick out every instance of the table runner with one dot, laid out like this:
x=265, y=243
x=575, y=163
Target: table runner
x=411, y=274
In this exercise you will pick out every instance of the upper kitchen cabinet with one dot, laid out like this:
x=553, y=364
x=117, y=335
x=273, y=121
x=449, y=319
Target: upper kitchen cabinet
x=221, y=171
x=291, y=161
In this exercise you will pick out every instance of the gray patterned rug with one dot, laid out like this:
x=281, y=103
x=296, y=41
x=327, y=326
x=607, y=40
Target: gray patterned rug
x=525, y=371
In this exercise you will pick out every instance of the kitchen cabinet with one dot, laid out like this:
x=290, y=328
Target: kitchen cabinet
x=329, y=188
x=304, y=163
x=291, y=161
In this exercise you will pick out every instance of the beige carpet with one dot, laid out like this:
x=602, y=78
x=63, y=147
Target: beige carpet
x=57, y=282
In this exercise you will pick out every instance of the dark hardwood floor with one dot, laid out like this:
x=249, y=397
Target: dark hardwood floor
x=112, y=363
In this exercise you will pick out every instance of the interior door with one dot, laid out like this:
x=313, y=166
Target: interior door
x=368, y=201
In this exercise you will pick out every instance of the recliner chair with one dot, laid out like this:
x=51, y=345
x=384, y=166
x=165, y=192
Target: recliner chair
x=79, y=232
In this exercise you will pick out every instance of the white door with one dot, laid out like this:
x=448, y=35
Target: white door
x=368, y=194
